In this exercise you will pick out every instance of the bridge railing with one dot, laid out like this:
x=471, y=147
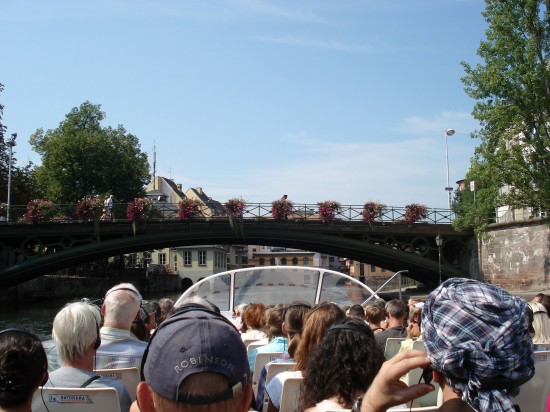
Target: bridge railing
x=253, y=211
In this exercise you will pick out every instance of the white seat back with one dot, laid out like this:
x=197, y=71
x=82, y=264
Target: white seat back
x=290, y=397
x=273, y=370
x=392, y=347
x=248, y=342
x=276, y=368
x=75, y=399
x=413, y=377
x=262, y=359
x=533, y=394
x=128, y=376
x=255, y=345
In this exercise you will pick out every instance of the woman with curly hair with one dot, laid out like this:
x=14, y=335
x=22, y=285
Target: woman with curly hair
x=341, y=367
x=317, y=322
x=23, y=368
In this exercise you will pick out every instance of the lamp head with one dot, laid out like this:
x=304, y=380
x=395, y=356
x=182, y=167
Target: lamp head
x=439, y=240
x=449, y=132
x=11, y=142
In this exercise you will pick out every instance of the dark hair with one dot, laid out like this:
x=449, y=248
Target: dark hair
x=294, y=317
x=344, y=364
x=138, y=329
x=356, y=312
x=23, y=366
x=545, y=301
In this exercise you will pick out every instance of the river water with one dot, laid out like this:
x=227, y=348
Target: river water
x=38, y=316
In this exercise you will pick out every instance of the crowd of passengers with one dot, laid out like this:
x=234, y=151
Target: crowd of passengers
x=479, y=347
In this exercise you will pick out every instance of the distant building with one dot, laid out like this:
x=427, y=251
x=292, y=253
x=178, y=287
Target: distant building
x=166, y=195
x=192, y=263
x=281, y=256
x=211, y=207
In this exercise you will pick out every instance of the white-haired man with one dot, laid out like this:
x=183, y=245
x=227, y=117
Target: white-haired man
x=76, y=335
x=119, y=349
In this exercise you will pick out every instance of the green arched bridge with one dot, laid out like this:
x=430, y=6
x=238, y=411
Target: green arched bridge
x=32, y=250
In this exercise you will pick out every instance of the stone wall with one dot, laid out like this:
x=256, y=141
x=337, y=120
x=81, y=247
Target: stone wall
x=516, y=255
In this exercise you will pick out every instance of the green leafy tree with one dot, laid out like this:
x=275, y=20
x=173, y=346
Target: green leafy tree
x=476, y=208
x=23, y=187
x=80, y=158
x=512, y=90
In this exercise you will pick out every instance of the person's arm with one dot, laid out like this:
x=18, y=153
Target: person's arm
x=387, y=390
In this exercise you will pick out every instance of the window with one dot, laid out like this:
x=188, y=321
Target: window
x=162, y=258
x=383, y=270
x=262, y=262
x=272, y=261
x=202, y=257
x=175, y=263
x=372, y=268
x=331, y=259
x=306, y=261
x=294, y=261
x=187, y=258
x=283, y=261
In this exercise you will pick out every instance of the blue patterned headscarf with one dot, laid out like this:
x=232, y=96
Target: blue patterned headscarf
x=477, y=335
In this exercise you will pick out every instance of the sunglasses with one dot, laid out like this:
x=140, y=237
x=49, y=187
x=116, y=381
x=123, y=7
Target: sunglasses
x=427, y=375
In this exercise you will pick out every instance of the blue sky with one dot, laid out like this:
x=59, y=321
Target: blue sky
x=341, y=100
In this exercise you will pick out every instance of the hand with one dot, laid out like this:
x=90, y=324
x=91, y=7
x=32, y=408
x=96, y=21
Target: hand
x=387, y=390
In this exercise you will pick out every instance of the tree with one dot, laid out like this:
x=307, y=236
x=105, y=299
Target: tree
x=80, y=158
x=23, y=186
x=477, y=209
x=512, y=89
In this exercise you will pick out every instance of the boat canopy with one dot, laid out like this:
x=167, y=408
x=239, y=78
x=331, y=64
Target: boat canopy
x=271, y=285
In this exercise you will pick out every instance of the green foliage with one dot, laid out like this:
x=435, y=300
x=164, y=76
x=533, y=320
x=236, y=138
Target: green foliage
x=512, y=90
x=476, y=210
x=82, y=159
x=23, y=187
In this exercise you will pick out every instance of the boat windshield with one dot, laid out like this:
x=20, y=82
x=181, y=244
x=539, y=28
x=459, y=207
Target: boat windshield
x=278, y=284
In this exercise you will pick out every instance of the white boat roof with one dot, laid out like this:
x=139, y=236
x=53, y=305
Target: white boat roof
x=271, y=285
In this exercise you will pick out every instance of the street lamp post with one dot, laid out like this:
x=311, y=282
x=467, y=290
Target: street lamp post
x=448, y=188
x=10, y=144
x=439, y=243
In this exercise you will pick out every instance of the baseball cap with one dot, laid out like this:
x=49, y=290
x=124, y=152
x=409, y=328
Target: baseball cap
x=193, y=341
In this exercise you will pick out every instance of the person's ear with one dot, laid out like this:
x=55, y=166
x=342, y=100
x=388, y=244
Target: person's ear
x=103, y=309
x=247, y=398
x=283, y=328
x=137, y=315
x=144, y=398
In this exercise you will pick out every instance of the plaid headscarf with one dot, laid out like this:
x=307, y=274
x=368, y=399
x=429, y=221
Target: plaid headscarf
x=477, y=335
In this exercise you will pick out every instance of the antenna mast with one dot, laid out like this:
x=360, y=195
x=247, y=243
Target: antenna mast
x=154, y=166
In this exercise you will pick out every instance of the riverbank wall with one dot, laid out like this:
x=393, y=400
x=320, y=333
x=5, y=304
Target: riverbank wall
x=516, y=255
x=71, y=287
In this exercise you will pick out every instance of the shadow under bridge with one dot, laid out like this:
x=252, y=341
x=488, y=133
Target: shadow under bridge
x=30, y=251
